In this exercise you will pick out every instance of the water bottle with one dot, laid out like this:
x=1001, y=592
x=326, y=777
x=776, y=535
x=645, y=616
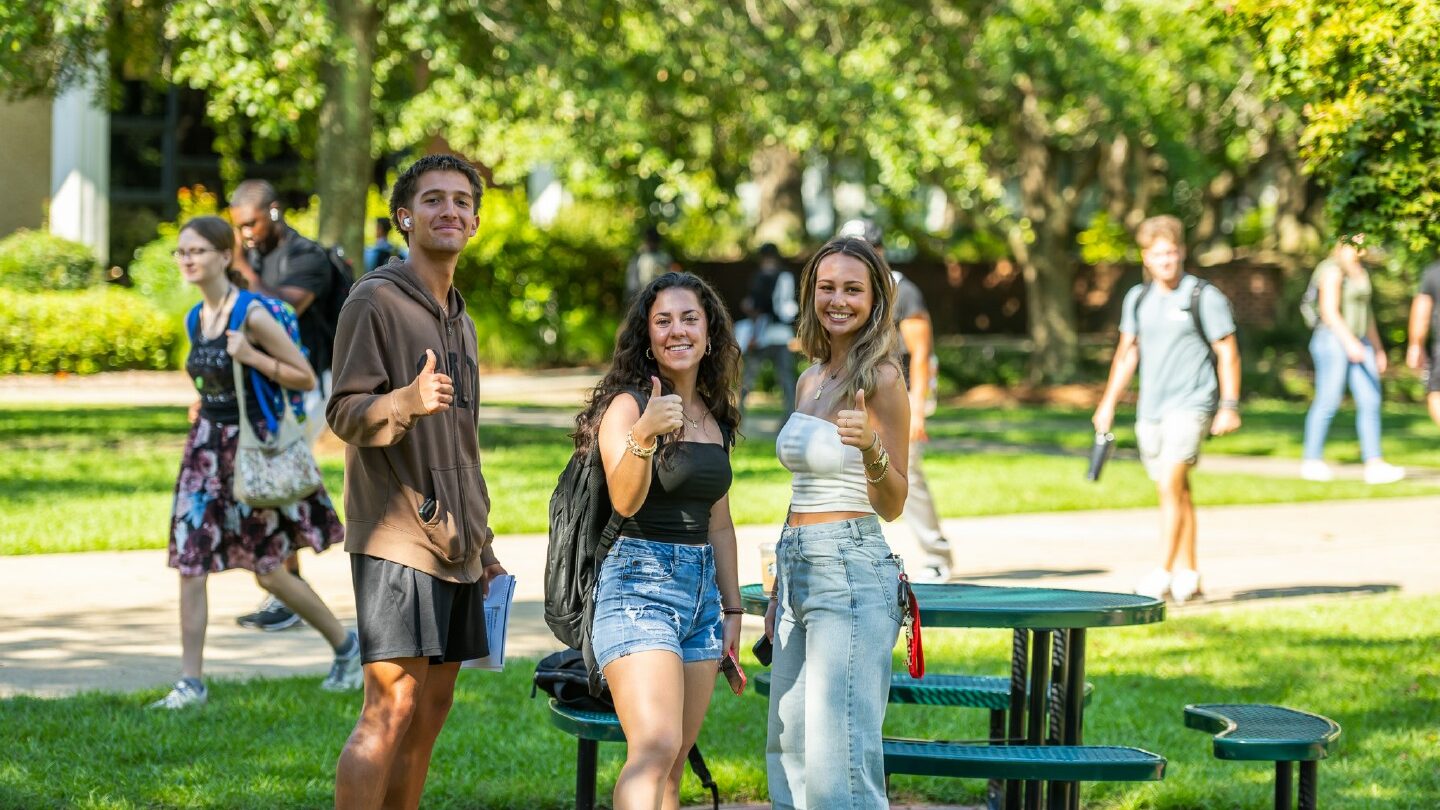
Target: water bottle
x=1100, y=453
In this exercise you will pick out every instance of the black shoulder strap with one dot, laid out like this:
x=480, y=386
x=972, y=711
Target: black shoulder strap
x=702, y=772
x=1135, y=310
x=1200, y=285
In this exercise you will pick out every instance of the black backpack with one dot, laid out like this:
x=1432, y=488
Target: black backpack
x=342, y=278
x=565, y=676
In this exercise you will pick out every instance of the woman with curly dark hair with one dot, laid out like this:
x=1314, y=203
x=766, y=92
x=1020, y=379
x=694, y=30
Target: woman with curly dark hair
x=667, y=605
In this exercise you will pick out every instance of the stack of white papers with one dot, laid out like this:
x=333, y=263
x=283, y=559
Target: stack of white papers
x=497, y=621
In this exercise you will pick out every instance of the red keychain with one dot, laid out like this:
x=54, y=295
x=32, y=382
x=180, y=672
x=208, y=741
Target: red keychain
x=911, y=619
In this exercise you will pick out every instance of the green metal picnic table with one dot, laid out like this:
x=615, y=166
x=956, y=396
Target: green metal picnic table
x=1047, y=663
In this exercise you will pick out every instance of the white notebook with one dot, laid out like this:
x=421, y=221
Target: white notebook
x=497, y=621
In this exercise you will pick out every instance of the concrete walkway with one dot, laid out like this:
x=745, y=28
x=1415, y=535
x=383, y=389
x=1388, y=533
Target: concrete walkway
x=109, y=620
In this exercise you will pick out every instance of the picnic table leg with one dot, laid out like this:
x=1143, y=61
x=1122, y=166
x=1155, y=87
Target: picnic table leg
x=1058, y=793
x=1019, y=657
x=1074, y=715
x=1039, y=694
x=995, y=788
x=585, y=766
x=1309, y=795
x=1282, y=786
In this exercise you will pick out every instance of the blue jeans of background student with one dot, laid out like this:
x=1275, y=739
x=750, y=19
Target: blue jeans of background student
x=837, y=622
x=1333, y=371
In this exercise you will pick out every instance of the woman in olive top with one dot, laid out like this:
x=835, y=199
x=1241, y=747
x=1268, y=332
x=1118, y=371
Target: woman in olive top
x=1346, y=349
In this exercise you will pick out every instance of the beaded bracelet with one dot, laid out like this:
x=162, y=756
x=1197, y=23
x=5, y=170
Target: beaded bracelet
x=635, y=448
x=884, y=463
x=876, y=462
x=732, y=611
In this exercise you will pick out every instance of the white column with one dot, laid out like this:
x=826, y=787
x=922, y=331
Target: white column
x=80, y=170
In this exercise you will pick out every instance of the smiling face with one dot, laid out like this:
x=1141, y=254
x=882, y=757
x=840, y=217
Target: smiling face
x=844, y=294
x=198, y=260
x=678, y=330
x=1164, y=259
x=257, y=228
x=442, y=214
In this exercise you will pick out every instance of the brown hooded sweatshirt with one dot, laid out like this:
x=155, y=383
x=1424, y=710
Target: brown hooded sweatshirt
x=397, y=457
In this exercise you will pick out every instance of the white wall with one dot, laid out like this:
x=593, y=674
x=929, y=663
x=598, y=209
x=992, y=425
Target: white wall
x=80, y=170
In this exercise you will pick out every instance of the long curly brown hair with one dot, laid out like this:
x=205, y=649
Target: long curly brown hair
x=718, y=380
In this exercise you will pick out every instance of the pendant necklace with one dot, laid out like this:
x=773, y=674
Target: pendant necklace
x=825, y=382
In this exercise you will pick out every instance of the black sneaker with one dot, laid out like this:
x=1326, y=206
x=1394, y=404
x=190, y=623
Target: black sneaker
x=270, y=616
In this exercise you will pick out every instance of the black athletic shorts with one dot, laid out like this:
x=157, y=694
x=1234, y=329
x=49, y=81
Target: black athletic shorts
x=404, y=613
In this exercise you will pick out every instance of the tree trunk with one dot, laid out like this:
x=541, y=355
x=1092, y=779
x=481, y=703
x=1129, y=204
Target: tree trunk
x=1045, y=249
x=777, y=173
x=343, y=162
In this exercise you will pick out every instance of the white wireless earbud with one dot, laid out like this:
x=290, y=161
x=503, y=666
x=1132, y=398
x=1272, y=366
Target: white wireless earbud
x=405, y=222
x=274, y=214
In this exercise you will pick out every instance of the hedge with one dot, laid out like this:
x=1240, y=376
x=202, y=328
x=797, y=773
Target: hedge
x=83, y=332
x=37, y=261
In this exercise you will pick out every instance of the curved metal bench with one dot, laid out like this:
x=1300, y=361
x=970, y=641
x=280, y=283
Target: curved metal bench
x=1264, y=733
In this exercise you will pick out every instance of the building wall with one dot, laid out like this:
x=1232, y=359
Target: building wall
x=25, y=171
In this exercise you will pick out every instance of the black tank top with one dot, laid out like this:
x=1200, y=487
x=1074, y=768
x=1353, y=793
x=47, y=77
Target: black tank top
x=210, y=366
x=682, y=490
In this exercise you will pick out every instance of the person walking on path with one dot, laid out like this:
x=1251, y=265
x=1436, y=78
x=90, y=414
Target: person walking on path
x=1424, y=345
x=1180, y=333
x=382, y=250
x=281, y=263
x=1346, y=350
x=835, y=615
x=771, y=308
x=917, y=361
x=667, y=603
x=648, y=263
x=416, y=506
x=210, y=530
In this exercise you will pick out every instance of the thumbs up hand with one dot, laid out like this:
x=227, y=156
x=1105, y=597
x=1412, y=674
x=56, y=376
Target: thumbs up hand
x=437, y=390
x=854, y=425
x=662, y=414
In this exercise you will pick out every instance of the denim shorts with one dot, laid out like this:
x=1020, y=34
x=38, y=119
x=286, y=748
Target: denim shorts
x=657, y=596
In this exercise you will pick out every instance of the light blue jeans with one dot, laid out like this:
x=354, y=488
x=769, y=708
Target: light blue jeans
x=1333, y=370
x=835, y=628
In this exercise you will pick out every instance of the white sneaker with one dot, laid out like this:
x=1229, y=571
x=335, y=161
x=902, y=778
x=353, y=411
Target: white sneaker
x=1378, y=472
x=933, y=573
x=1154, y=584
x=186, y=693
x=1184, y=586
x=1313, y=469
x=346, y=672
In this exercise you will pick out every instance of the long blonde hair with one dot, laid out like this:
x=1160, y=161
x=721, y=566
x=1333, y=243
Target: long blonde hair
x=878, y=339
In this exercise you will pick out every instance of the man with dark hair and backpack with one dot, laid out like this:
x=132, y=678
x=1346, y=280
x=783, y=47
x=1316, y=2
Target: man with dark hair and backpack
x=284, y=265
x=1179, y=332
x=383, y=250
x=416, y=506
x=771, y=307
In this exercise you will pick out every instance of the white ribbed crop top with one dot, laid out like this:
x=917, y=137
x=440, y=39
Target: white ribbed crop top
x=827, y=476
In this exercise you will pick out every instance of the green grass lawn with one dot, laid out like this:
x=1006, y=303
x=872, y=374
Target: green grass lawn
x=1367, y=662
x=86, y=479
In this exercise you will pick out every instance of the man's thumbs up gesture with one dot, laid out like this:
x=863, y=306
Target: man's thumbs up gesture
x=854, y=425
x=437, y=391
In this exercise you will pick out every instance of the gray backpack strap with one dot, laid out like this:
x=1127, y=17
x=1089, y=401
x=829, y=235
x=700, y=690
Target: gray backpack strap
x=1195, y=292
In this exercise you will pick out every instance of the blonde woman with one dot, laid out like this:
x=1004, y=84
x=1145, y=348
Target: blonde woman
x=835, y=615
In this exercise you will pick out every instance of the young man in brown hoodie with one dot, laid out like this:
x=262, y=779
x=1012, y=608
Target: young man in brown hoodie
x=416, y=506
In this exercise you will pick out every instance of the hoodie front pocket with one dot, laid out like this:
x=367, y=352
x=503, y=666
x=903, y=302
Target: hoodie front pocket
x=445, y=530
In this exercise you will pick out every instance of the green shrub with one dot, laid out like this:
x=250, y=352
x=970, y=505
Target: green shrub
x=544, y=297
x=37, y=261
x=82, y=332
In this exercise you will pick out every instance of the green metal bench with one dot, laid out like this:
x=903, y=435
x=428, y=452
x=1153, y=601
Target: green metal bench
x=1069, y=764
x=590, y=728
x=1264, y=733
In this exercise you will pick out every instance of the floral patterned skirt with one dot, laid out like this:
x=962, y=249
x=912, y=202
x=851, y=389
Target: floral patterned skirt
x=210, y=531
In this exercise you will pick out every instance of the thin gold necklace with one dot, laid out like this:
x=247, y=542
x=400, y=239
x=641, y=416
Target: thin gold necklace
x=824, y=382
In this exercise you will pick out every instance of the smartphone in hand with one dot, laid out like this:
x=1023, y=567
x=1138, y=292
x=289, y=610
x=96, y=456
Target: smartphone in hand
x=764, y=650
x=733, y=673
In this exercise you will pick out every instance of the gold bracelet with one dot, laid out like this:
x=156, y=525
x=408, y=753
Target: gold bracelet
x=884, y=462
x=635, y=448
x=884, y=454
